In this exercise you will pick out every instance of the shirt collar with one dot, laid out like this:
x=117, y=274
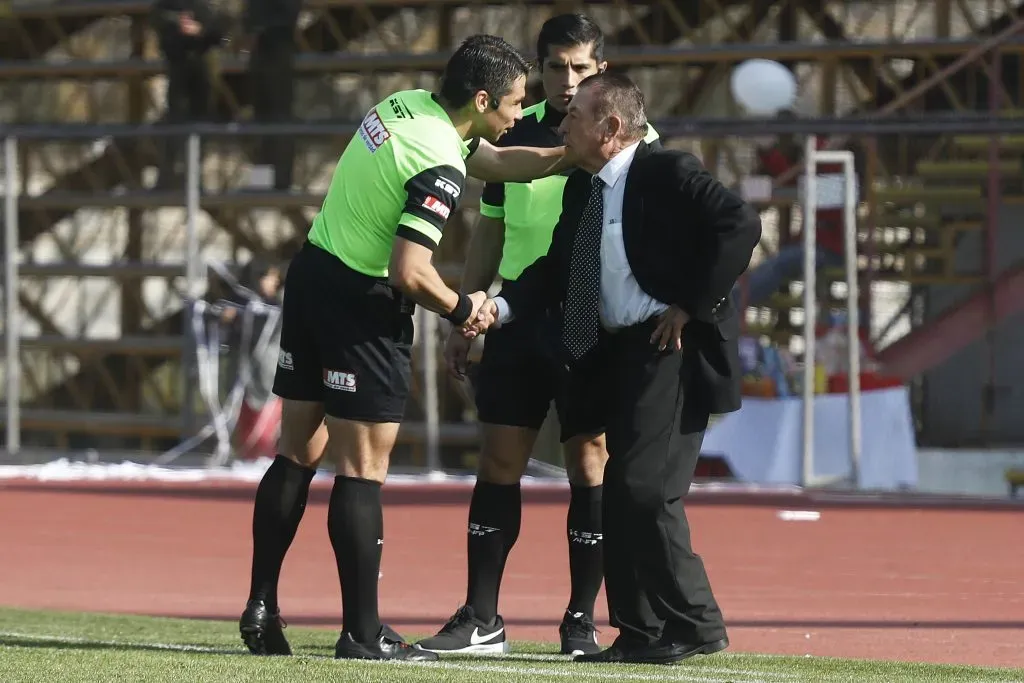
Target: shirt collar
x=468, y=147
x=551, y=116
x=616, y=167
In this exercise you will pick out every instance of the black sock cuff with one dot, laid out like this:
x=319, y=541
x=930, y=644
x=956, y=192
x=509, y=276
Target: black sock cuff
x=289, y=464
x=585, y=494
x=486, y=488
x=345, y=479
x=497, y=505
x=356, y=489
x=583, y=521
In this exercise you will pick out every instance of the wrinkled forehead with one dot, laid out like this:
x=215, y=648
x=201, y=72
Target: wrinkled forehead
x=583, y=101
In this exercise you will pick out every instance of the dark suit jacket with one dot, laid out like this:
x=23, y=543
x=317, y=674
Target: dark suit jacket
x=688, y=238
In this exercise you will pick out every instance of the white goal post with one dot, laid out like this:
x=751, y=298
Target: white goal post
x=813, y=199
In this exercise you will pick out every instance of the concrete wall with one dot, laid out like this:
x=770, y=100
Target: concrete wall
x=953, y=397
x=966, y=472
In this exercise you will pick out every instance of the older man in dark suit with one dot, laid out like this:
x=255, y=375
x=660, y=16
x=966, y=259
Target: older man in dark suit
x=640, y=268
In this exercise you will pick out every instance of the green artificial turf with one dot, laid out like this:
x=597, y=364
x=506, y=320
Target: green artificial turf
x=52, y=647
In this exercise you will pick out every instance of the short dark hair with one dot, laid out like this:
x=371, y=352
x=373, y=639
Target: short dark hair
x=618, y=94
x=570, y=30
x=482, y=62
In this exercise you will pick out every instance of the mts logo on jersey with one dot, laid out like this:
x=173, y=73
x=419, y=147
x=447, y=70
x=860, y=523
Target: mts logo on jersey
x=448, y=187
x=437, y=206
x=284, y=360
x=373, y=131
x=339, y=381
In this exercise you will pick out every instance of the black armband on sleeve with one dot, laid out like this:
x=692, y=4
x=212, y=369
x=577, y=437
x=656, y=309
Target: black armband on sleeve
x=432, y=196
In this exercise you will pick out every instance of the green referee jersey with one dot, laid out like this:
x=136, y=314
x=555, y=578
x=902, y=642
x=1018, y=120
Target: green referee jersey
x=401, y=174
x=530, y=210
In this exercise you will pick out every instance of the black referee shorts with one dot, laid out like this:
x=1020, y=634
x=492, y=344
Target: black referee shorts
x=346, y=340
x=520, y=374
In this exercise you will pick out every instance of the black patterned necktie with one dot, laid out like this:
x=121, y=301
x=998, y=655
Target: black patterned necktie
x=582, y=319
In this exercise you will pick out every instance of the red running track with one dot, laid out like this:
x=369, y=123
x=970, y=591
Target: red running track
x=889, y=582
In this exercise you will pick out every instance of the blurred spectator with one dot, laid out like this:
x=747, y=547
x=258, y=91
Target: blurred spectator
x=259, y=418
x=776, y=158
x=187, y=30
x=271, y=25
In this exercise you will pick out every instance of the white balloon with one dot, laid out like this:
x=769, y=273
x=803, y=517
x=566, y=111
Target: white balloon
x=763, y=86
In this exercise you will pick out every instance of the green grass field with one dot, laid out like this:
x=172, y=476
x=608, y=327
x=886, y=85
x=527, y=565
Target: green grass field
x=53, y=647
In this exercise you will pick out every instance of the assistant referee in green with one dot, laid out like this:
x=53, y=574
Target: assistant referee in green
x=519, y=377
x=347, y=328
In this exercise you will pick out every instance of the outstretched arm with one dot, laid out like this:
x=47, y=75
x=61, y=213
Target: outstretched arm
x=516, y=164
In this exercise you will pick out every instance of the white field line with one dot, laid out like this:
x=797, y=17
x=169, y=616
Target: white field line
x=71, y=640
x=531, y=656
x=580, y=672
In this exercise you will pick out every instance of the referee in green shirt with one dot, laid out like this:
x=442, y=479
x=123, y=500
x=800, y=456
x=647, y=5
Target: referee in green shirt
x=347, y=327
x=518, y=374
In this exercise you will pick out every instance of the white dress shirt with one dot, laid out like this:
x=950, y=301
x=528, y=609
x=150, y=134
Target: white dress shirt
x=622, y=302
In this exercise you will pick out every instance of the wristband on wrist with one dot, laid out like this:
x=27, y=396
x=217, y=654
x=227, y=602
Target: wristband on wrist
x=461, y=312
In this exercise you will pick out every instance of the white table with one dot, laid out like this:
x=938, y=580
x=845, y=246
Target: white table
x=762, y=442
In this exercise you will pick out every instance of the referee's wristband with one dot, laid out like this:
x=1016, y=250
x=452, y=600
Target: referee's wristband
x=461, y=312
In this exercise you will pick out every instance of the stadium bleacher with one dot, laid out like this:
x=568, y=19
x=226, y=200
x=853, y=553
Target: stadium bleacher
x=119, y=385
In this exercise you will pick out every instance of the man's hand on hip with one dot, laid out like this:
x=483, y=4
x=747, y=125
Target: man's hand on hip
x=669, y=331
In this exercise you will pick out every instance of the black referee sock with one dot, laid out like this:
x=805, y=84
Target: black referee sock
x=495, y=514
x=586, y=569
x=355, y=523
x=277, y=511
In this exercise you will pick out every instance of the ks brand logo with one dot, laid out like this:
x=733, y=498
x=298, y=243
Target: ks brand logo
x=448, y=186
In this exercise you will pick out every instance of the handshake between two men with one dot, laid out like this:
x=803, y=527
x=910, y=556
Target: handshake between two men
x=668, y=334
x=483, y=316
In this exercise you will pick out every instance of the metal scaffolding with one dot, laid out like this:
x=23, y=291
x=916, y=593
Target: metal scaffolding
x=94, y=62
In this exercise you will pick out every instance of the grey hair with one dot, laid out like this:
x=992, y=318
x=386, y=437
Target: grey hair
x=617, y=94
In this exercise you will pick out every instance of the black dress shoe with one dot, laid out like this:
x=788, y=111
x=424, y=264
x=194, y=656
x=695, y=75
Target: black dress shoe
x=618, y=652
x=669, y=652
x=610, y=655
